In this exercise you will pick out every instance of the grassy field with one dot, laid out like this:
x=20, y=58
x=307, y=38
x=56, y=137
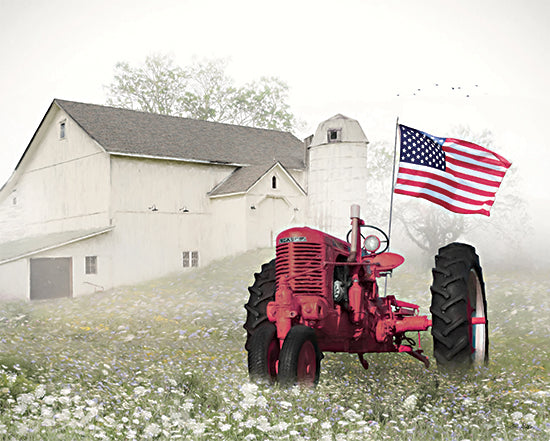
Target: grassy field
x=165, y=360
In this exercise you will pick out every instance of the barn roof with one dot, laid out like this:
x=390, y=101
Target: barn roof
x=18, y=249
x=130, y=132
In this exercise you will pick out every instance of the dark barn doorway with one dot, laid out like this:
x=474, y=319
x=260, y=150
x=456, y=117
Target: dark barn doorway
x=51, y=278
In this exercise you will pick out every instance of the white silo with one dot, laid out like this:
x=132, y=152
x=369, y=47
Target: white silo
x=337, y=174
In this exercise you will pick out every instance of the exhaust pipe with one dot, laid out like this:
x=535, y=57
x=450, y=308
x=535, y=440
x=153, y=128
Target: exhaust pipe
x=354, y=242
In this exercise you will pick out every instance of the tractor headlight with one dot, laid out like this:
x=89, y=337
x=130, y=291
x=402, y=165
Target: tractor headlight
x=372, y=243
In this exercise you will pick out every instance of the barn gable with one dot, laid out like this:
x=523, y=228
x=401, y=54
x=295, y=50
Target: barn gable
x=243, y=179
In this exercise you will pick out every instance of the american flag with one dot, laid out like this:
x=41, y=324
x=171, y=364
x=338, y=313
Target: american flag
x=461, y=176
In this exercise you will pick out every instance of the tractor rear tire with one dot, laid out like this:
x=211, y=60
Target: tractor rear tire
x=458, y=296
x=263, y=354
x=261, y=293
x=300, y=358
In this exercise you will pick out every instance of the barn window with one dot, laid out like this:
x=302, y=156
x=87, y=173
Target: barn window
x=274, y=182
x=91, y=264
x=334, y=135
x=190, y=259
x=62, y=129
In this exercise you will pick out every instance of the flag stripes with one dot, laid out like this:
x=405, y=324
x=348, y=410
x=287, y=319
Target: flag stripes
x=458, y=175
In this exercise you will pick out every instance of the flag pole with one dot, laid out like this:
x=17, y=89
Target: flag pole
x=393, y=176
x=391, y=197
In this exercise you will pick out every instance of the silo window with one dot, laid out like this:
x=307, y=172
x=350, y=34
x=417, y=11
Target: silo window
x=274, y=182
x=334, y=135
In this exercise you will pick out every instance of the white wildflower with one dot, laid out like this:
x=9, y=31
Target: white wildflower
x=516, y=416
x=152, y=430
x=25, y=398
x=326, y=425
x=64, y=400
x=308, y=419
x=285, y=404
x=263, y=424
x=187, y=406
x=248, y=402
x=197, y=428
x=20, y=408
x=65, y=391
x=40, y=391
x=280, y=427
x=139, y=391
x=11, y=378
x=225, y=427
x=529, y=418
x=49, y=400
x=65, y=415
x=249, y=389
x=410, y=402
x=350, y=414
x=261, y=401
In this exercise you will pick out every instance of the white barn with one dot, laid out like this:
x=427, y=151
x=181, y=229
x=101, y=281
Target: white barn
x=104, y=197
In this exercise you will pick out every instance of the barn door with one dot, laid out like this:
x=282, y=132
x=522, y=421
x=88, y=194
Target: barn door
x=51, y=278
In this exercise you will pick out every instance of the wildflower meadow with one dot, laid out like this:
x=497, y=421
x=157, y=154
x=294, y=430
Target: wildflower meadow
x=165, y=360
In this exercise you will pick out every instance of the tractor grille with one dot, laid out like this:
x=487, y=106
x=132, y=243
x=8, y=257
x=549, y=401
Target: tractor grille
x=303, y=260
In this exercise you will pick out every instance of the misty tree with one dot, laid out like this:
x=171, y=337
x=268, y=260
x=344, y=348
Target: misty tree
x=430, y=226
x=202, y=90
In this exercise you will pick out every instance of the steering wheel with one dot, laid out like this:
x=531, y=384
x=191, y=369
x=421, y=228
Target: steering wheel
x=384, y=244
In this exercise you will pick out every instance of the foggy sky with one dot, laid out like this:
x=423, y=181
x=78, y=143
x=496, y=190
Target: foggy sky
x=480, y=64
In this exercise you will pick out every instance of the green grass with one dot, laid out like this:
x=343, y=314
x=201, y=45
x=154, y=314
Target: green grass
x=165, y=360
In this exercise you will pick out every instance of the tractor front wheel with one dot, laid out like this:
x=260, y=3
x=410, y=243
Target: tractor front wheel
x=300, y=358
x=459, y=308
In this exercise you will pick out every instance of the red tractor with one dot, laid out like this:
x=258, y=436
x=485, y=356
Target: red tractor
x=321, y=294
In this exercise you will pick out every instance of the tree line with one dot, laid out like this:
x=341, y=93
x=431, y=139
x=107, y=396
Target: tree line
x=202, y=90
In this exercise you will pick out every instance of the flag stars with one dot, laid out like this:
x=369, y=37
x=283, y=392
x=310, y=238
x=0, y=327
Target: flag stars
x=421, y=148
